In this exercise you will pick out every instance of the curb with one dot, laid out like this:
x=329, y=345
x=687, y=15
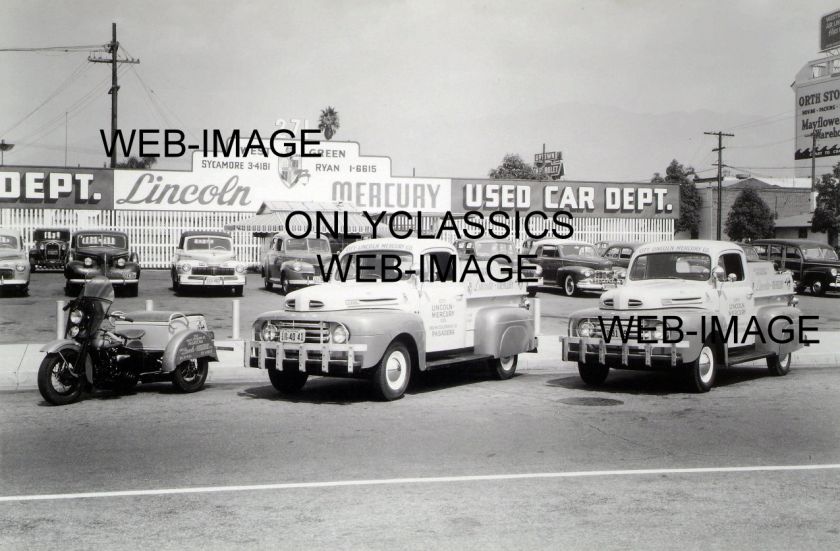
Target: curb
x=19, y=370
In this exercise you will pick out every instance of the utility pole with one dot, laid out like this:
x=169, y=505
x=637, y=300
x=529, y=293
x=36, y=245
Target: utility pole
x=719, y=150
x=112, y=49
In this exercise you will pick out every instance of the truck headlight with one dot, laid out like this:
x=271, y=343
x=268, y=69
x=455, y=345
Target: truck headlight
x=88, y=262
x=240, y=268
x=586, y=328
x=76, y=316
x=121, y=263
x=297, y=266
x=184, y=267
x=340, y=334
x=269, y=332
x=20, y=267
x=588, y=273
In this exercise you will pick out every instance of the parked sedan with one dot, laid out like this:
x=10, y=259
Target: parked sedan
x=14, y=263
x=573, y=265
x=292, y=263
x=814, y=265
x=101, y=252
x=50, y=248
x=484, y=249
x=619, y=253
x=206, y=259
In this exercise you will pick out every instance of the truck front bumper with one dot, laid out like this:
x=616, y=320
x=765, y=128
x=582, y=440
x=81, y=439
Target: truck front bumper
x=316, y=359
x=626, y=355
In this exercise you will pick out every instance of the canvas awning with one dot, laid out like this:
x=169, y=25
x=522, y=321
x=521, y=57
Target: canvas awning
x=272, y=216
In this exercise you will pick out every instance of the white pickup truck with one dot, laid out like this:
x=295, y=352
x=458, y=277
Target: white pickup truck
x=693, y=306
x=386, y=330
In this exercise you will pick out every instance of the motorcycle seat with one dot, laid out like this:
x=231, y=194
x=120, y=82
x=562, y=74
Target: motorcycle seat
x=131, y=334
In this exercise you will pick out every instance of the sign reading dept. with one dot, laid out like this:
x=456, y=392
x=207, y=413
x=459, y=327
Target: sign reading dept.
x=582, y=199
x=69, y=188
x=243, y=183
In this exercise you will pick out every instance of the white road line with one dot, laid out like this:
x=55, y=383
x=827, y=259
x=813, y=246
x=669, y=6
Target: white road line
x=419, y=480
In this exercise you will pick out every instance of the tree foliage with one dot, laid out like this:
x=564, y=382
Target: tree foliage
x=514, y=168
x=328, y=122
x=749, y=218
x=690, y=200
x=826, y=217
x=140, y=163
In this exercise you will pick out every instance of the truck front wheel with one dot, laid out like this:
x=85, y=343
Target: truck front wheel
x=504, y=368
x=593, y=373
x=393, y=372
x=700, y=373
x=778, y=365
x=287, y=382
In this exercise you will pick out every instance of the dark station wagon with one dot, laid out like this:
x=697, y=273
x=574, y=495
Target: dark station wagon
x=814, y=265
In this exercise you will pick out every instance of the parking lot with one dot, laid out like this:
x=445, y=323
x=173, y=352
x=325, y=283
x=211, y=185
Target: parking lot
x=31, y=319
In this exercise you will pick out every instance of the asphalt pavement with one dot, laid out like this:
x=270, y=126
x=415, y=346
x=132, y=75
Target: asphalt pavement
x=236, y=454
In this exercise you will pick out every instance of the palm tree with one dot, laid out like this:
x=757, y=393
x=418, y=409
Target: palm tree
x=328, y=122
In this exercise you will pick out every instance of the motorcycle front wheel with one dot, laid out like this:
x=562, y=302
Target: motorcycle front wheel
x=190, y=375
x=56, y=381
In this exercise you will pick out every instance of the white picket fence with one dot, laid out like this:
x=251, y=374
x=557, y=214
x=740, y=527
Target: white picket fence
x=154, y=235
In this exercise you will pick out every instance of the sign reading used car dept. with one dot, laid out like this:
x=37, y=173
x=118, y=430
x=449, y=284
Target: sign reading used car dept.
x=47, y=187
x=582, y=199
x=243, y=183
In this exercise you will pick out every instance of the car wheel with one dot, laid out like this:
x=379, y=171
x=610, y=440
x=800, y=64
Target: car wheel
x=238, y=290
x=24, y=290
x=532, y=292
x=569, y=285
x=285, y=288
x=133, y=290
x=287, y=382
x=700, y=374
x=778, y=365
x=817, y=288
x=190, y=375
x=267, y=284
x=504, y=368
x=592, y=373
x=393, y=372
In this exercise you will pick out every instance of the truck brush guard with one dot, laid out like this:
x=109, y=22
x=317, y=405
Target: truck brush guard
x=346, y=357
x=581, y=349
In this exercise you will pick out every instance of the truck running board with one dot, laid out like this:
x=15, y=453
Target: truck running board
x=459, y=359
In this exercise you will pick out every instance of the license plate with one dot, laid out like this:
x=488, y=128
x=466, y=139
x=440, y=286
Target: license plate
x=297, y=336
x=213, y=281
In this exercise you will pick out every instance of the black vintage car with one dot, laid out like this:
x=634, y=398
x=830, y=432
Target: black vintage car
x=619, y=253
x=814, y=265
x=574, y=266
x=50, y=248
x=101, y=252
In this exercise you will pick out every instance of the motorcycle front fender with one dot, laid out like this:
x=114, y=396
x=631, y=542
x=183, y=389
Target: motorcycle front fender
x=59, y=345
x=189, y=345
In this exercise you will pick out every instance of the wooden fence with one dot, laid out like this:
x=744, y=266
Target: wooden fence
x=154, y=235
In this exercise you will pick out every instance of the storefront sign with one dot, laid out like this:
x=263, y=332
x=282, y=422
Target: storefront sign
x=817, y=111
x=40, y=187
x=582, y=199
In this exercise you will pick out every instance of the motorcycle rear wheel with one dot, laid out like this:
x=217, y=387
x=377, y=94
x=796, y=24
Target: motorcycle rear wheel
x=56, y=383
x=190, y=375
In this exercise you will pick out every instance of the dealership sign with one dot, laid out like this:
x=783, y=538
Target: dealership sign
x=42, y=187
x=582, y=199
x=243, y=183
x=817, y=110
x=830, y=31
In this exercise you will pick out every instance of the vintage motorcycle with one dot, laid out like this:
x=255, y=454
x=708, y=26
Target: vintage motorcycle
x=116, y=350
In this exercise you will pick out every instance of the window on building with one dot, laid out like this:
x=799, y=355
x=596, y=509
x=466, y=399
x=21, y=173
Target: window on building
x=819, y=70
x=835, y=66
x=803, y=232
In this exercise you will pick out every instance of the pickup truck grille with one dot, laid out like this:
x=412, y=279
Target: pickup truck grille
x=316, y=331
x=212, y=271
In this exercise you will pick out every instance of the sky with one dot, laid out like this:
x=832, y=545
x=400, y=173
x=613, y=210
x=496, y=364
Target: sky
x=444, y=88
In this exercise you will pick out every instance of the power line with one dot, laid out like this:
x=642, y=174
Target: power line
x=68, y=49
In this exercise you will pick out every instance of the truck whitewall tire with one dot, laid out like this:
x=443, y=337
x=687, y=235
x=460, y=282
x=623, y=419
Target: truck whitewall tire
x=701, y=372
x=504, y=368
x=778, y=365
x=393, y=372
x=593, y=373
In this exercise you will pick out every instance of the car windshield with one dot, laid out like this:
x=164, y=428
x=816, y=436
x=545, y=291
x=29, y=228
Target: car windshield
x=819, y=253
x=44, y=235
x=579, y=250
x=8, y=242
x=373, y=264
x=308, y=244
x=100, y=240
x=211, y=243
x=690, y=266
x=489, y=248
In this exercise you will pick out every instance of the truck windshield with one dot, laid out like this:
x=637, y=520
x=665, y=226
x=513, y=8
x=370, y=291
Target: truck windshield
x=373, y=264
x=676, y=265
x=819, y=253
x=212, y=243
x=313, y=245
x=8, y=242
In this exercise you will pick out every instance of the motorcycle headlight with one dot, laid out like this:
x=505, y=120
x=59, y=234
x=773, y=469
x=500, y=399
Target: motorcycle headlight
x=340, y=334
x=20, y=267
x=269, y=332
x=73, y=331
x=76, y=316
x=297, y=266
x=586, y=328
x=834, y=272
x=240, y=268
x=184, y=267
x=88, y=262
x=121, y=262
x=588, y=273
